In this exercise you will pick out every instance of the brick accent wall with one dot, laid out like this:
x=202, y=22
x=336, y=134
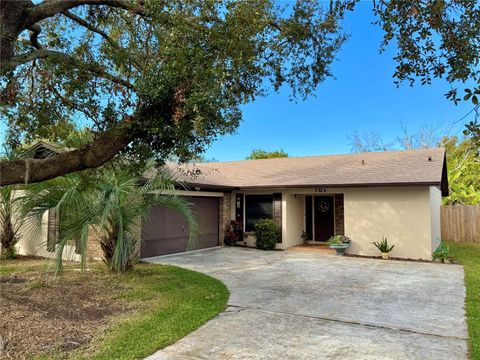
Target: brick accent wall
x=339, y=215
x=224, y=214
x=94, y=250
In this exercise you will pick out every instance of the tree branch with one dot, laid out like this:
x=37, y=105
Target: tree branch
x=35, y=30
x=98, y=152
x=90, y=27
x=93, y=68
x=49, y=8
x=95, y=29
x=74, y=105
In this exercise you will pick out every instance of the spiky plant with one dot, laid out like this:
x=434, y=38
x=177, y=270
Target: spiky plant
x=113, y=204
x=383, y=245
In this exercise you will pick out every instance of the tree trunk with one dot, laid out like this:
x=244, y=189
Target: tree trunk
x=101, y=150
x=8, y=239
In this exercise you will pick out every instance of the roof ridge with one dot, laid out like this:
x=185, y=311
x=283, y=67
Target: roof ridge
x=366, y=153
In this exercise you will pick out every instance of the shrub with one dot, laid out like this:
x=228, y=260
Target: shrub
x=339, y=239
x=442, y=251
x=266, y=233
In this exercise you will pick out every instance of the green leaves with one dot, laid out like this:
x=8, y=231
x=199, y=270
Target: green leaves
x=111, y=206
x=191, y=64
x=266, y=234
x=257, y=154
x=463, y=168
x=434, y=39
x=469, y=94
x=383, y=245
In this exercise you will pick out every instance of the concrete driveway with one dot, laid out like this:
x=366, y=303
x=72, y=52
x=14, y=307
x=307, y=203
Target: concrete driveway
x=290, y=305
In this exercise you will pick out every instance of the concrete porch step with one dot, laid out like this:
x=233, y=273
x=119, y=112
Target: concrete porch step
x=314, y=248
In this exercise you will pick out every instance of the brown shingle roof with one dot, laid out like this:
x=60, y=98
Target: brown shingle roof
x=381, y=168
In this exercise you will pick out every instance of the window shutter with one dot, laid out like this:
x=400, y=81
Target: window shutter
x=239, y=208
x=277, y=213
x=52, y=229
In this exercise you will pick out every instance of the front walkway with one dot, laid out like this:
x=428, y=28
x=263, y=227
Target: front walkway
x=292, y=305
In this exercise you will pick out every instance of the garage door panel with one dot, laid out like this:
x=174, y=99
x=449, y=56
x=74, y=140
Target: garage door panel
x=166, y=232
x=164, y=246
x=206, y=240
x=163, y=223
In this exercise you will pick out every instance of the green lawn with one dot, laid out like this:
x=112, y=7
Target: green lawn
x=469, y=256
x=179, y=301
x=127, y=316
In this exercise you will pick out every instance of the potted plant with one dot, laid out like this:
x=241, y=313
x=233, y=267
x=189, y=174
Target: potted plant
x=340, y=243
x=442, y=253
x=384, y=247
x=304, y=236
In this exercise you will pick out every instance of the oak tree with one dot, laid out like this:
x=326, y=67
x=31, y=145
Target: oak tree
x=165, y=78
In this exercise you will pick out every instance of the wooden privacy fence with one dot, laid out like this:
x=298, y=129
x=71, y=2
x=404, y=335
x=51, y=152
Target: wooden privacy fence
x=460, y=223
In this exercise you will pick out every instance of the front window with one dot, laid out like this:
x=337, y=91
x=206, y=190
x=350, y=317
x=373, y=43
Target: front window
x=257, y=207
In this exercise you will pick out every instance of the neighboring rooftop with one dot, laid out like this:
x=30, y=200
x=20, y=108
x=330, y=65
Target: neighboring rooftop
x=425, y=167
x=44, y=149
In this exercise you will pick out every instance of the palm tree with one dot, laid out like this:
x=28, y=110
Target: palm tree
x=10, y=221
x=113, y=204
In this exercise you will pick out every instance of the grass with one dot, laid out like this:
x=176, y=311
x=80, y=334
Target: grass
x=162, y=304
x=24, y=264
x=468, y=254
x=187, y=300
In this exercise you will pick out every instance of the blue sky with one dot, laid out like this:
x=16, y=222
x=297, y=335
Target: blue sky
x=363, y=97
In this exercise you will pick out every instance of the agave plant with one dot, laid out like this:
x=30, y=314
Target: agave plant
x=112, y=203
x=383, y=245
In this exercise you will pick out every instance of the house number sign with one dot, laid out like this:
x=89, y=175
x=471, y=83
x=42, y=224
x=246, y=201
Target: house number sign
x=321, y=189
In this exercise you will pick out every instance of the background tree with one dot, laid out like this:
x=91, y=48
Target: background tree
x=463, y=171
x=426, y=137
x=263, y=154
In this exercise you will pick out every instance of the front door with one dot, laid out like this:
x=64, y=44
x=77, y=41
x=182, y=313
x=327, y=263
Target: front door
x=324, y=217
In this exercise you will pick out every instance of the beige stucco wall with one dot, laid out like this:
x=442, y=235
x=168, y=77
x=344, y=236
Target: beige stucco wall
x=33, y=241
x=294, y=219
x=402, y=214
x=435, y=204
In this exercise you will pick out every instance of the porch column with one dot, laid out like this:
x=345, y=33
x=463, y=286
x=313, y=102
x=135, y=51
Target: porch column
x=339, y=215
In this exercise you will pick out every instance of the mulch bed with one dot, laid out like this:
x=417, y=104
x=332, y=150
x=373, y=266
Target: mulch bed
x=396, y=259
x=42, y=314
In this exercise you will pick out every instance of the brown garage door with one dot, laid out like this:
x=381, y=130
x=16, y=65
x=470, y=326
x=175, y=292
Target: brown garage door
x=167, y=232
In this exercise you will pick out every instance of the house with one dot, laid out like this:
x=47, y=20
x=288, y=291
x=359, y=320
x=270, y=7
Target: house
x=364, y=196
x=42, y=241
